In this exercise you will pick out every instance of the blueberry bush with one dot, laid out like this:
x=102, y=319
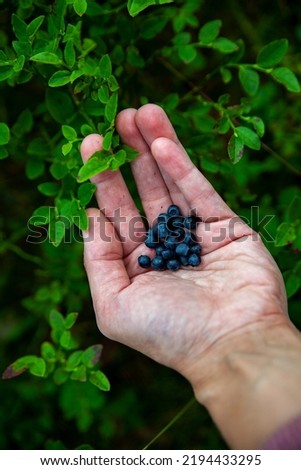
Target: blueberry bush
x=226, y=73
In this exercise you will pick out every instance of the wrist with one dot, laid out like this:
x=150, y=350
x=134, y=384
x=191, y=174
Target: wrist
x=250, y=382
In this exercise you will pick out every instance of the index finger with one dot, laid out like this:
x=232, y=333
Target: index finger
x=198, y=192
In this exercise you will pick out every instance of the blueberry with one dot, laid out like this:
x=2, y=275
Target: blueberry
x=190, y=222
x=158, y=263
x=183, y=260
x=173, y=265
x=195, y=249
x=194, y=260
x=179, y=234
x=167, y=253
x=150, y=241
x=159, y=249
x=173, y=210
x=182, y=249
x=171, y=242
x=175, y=222
x=144, y=261
x=162, y=230
x=163, y=217
x=189, y=238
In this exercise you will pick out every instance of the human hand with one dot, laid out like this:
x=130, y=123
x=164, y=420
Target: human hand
x=174, y=317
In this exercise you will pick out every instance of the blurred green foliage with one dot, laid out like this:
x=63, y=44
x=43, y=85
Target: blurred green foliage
x=226, y=74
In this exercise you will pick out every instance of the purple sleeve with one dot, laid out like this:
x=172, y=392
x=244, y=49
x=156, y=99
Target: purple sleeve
x=288, y=437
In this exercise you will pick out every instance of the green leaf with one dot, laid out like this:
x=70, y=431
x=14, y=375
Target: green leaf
x=19, y=366
x=4, y=133
x=48, y=189
x=103, y=94
x=249, y=79
x=99, y=379
x=41, y=216
x=34, y=26
x=96, y=164
x=226, y=75
x=91, y=355
x=57, y=230
x=80, y=7
x=66, y=148
x=38, y=367
x=81, y=219
x=111, y=108
x=224, y=45
x=248, y=137
x=19, y=27
x=69, y=54
x=210, y=31
x=223, y=125
x=105, y=66
x=73, y=360
x=59, y=105
x=153, y=26
x=294, y=210
x=285, y=234
x=65, y=339
x=56, y=320
x=235, y=148
x=187, y=53
x=136, y=6
x=258, y=125
x=70, y=320
x=69, y=133
x=19, y=64
x=119, y=158
x=80, y=374
x=292, y=284
x=85, y=193
x=48, y=352
x=58, y=170
x=287, y=78
x=60, y=78
x=60, y=376
x=272, y=53
x=45, y=58
x=107, y=141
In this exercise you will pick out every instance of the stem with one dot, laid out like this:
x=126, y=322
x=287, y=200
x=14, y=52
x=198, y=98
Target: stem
x=172, y=422
x=22, y=254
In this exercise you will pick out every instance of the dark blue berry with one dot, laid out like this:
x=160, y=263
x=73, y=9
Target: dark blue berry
x=182, y=249
x=195, y=249
x=173, y=265
x=144, y=261
x=171, y=242
x=175, y=222
x=189, y=238
x=158, y=263
x=183, y=260
x=173, y=210
x=191, y=222
x=167, y=253
x=150, y=241
x=160, y=249
x=163, y=217
x=162, y=230
x=194, y=260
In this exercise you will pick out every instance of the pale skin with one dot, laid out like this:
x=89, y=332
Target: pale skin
x=224, y=325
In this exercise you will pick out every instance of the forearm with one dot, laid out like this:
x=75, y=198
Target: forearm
x=251, y=384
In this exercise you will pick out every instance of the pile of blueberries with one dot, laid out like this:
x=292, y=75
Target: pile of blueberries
x=174, y=242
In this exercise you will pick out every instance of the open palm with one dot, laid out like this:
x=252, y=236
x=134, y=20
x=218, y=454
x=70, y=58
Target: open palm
x=173, y=316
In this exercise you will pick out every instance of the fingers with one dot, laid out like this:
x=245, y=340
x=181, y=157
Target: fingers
x=152, y=122
x=198, y=192
x=152, y=189
x=104, y=265
x=114, y=198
